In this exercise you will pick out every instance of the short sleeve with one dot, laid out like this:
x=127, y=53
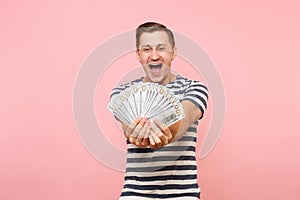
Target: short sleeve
x=197, y=93
x=115, y=92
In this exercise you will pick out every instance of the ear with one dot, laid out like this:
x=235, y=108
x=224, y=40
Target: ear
x=137, y=54
x=174, y=53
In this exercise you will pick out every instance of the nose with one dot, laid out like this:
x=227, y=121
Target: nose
x=154, y=54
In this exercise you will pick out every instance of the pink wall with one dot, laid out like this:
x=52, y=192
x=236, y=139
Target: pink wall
x=254, y=46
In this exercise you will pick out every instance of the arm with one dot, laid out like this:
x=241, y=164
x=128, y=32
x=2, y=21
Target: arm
x=192, y=114
x=194, y=104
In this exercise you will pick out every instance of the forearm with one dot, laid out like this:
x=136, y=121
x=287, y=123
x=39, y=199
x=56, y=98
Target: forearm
x=192, y=114
x=178, y=130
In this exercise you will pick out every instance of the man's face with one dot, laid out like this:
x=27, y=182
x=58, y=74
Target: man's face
x=155, y=53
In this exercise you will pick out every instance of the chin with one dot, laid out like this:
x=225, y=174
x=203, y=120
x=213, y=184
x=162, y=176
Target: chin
x=155, y=80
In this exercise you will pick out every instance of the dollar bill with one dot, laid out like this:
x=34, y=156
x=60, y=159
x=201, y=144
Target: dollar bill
x=146, y=100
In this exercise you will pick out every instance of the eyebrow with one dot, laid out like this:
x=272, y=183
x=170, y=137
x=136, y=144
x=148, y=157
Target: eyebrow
x=148, y=45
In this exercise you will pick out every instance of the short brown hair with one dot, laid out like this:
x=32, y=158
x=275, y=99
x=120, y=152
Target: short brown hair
x=150, y=27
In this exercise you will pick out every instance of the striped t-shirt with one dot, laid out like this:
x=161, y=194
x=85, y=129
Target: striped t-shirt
x=170, y=171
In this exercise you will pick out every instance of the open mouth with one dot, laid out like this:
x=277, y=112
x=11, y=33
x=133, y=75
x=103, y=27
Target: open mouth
x=155, y=69
x=155, y=66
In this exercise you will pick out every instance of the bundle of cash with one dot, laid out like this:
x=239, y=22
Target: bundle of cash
x=149, y=100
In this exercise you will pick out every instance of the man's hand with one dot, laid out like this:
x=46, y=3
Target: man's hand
x=160, y=134
x=156, y=134
x=138, y=132
x=165, y=132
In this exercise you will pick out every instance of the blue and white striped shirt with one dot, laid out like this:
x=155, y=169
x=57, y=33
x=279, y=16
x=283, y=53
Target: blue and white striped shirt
x=170, y=171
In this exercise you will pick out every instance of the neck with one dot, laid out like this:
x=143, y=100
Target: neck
x=167, y=80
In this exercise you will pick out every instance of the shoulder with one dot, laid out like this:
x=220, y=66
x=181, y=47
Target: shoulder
x=187, y=83
x=195, y=92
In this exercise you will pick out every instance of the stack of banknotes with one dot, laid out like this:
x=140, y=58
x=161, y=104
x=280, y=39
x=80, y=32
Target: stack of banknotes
x=149, y=100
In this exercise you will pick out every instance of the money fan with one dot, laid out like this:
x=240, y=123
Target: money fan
x=146, y=100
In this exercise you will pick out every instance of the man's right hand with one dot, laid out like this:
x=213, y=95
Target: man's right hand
x=138, y=132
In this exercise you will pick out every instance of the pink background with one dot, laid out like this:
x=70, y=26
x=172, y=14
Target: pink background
x=253, y=44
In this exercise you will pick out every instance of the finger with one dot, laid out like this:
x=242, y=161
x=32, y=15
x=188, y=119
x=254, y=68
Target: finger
x=137, y=130
x=156, y=139
x=140, y=146
x=152, y=143
x=147, y=133
x=141, y=134
x=145, y=140
x=168, y=134
x=166, y=131
x=161, y=125
x=154, y=128
x=130, y=128
x=138, y=141
x=163, y=139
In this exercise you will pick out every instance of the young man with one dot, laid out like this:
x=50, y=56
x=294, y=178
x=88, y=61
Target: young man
x=161, y=160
